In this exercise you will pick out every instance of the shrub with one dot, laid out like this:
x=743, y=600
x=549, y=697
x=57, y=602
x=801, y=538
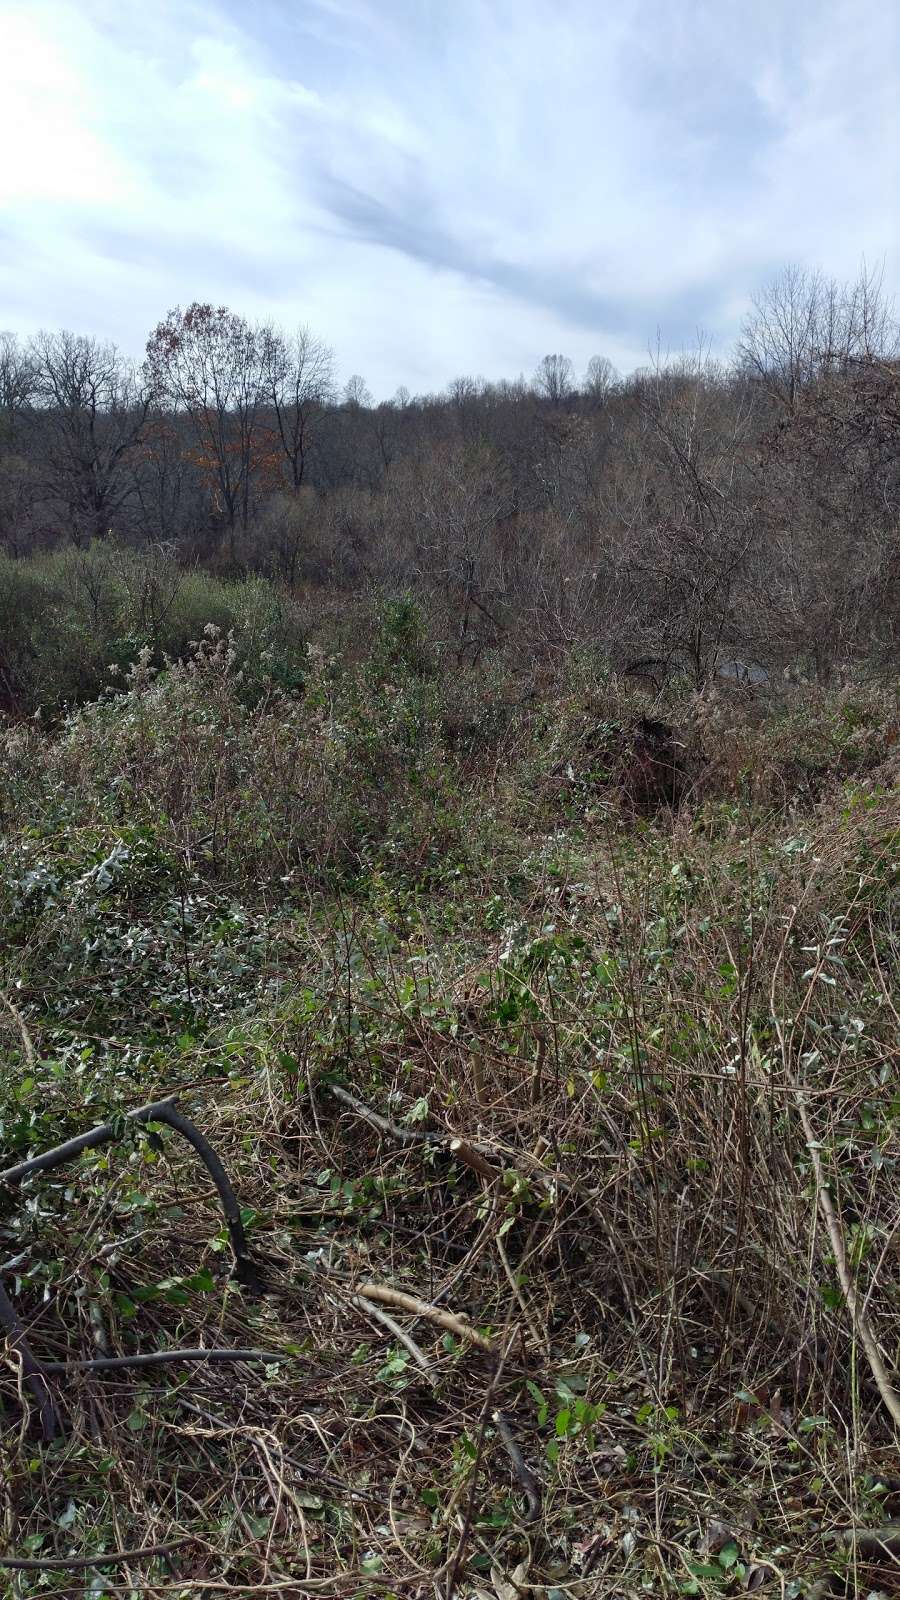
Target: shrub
x=69, y=617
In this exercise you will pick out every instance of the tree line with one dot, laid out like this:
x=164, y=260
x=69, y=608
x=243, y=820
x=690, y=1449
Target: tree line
x=692, y=513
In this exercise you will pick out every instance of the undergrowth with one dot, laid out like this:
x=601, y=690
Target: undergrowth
x=465, y=1022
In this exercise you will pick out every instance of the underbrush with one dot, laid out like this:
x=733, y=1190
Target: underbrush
x=74, y=622
x=469, y=1021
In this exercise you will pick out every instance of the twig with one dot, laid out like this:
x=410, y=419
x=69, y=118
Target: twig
x=459, y=1554
x=112, y=1558
x=537, y=1337
x=399, y=1333
x=24, y=1035
x=830, y=1217
x=155, y=1358
x=385, y=1295
x=523, y=1472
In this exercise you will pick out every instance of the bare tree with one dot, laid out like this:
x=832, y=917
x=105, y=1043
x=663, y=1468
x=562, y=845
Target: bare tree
x=781, y=336
x=599, y=379
x=208, y=362
x=460, y=499
x=357, y=394
x=689, y=553
x=17, y=389
x=90, y=413
x=553, y=379
x=299, y=384
x=169, y=490
x=18, y=380
x=803, y=326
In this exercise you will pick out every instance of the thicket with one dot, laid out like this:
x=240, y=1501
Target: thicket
x=473, y=1012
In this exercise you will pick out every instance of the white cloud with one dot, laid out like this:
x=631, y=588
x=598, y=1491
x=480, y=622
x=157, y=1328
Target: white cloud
x=435, y=188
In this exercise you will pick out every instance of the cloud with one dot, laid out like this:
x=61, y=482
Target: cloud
x=441, y=189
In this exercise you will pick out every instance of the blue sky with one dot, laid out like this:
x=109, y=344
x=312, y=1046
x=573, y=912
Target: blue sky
x=441, y=187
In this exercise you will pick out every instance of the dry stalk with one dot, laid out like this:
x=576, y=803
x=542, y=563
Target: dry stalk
x=860, y=1321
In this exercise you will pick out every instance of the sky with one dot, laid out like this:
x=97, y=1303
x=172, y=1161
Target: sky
x=442, y=187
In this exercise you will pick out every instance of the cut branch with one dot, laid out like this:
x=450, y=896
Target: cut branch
x=383, y=1294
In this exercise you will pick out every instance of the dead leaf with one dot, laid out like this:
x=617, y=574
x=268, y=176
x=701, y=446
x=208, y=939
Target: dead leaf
x=592, y=1545
x=757, y=1574
x=510, y=1588
x=718, y=1535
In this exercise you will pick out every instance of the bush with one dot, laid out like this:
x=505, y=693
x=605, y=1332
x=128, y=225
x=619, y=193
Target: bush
x=69, y=618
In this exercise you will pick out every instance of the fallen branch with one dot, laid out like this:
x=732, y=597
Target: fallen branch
x=875, y=1543
x=523, y=1472
x=383, y=1124
x=471, y=1155
x=32, y=1371
x=399, y=1333
x=478, y=1157
x=157, y=1358
x=165, y=1111
x=111, y=1558
x=383, y=1294
x=878, y=1545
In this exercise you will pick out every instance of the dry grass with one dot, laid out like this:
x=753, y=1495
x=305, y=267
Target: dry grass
x=585, y=1069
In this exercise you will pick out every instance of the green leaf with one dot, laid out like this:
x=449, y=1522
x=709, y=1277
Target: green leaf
x=203, y=1280
x=728, y=1555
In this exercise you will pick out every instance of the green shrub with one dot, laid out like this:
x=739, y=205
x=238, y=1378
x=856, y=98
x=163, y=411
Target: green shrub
x=73, y=621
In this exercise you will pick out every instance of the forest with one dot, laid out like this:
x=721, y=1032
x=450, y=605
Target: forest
x=690, y=515
x=450, y=872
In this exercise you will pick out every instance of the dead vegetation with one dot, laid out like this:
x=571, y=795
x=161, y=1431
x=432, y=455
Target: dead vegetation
x=564, y=1133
